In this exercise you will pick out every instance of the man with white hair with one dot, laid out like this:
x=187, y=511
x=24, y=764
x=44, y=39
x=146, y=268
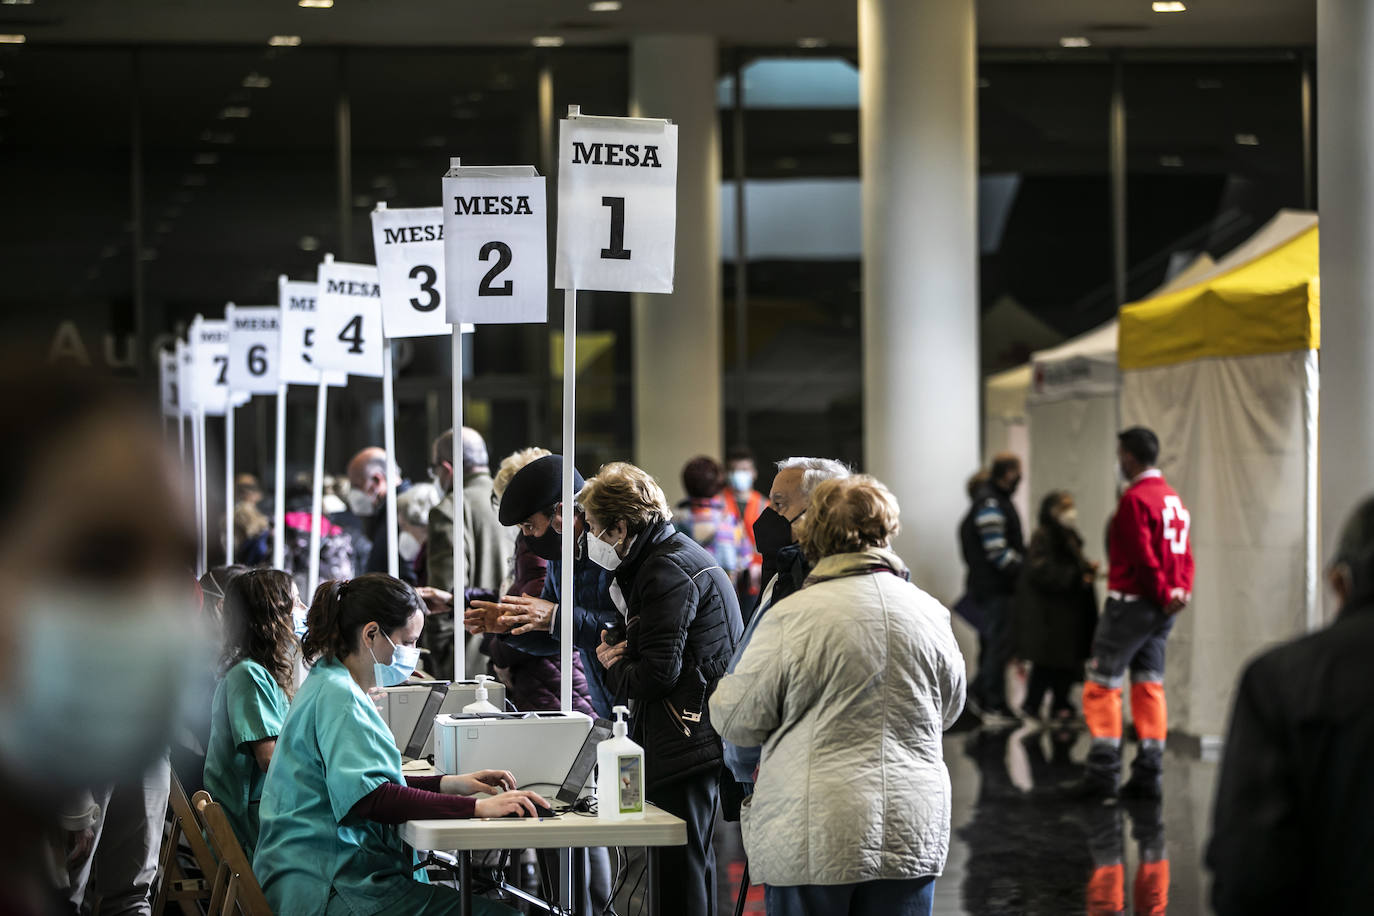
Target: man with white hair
x=784, y=566
x=488, y=546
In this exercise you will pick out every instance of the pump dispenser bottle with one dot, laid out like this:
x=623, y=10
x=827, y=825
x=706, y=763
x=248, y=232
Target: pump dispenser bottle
x=619, y=774
x=481, y=705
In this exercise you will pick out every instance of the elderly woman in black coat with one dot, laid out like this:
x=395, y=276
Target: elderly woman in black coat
x=682, y=623
x=1056, y=609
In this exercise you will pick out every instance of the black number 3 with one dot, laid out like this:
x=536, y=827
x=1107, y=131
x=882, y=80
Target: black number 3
x=426, y=286
x=502, y=262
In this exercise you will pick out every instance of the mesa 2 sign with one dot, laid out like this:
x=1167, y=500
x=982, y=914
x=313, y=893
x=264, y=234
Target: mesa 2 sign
x=617, y=204
x=496, y=268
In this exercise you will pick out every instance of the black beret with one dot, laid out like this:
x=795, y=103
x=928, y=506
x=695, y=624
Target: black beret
x=534, y=488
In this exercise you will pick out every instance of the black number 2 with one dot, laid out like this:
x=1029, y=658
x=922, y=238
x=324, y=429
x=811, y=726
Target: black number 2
x=617, y=251
x=355, y=324
x=426, y=286
x=502, y=262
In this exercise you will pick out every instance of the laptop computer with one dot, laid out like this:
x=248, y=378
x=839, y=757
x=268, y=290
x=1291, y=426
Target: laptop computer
x=583, y=764
x=425, y=724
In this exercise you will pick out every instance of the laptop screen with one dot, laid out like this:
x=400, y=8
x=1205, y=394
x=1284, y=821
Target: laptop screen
x=425, y=724
x=583, y=763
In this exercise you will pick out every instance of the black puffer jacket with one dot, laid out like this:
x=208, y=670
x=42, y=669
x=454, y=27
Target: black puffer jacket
x=682, y=624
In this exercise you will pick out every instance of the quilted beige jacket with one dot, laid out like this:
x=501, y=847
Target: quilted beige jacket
x=848, y=685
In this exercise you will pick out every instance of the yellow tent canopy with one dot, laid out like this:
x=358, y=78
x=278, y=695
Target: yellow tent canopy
x=1270, y=304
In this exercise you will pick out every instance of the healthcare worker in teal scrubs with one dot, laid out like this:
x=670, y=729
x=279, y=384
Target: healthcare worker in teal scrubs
x=252, y=697
x=328, y=841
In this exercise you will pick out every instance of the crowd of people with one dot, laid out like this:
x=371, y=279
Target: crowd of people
x=782, y=669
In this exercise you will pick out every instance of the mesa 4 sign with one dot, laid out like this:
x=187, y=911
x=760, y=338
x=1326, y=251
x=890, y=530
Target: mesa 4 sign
x=617, y=204
x=496, y=267
x=349, y=301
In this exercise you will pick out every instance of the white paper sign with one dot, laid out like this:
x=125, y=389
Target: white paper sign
x=617, y=204
x=254, y=342
x=496, y=249
x=409, y=245
x=210, y=362
x=298, y=320
x=167, y=376
x=186, y=376
x=350, y=325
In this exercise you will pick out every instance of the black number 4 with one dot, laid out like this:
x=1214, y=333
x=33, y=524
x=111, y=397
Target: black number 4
x=503, y=258
x=355, y=340
x=617, y=251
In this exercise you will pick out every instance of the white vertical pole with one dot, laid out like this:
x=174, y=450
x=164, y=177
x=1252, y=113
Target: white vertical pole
x=229, y=480
x=389, y=443
x=317, y=486
x=568, y=595
x=459, y=573
x=202, y=523
x=279, y=488
x=181, y=434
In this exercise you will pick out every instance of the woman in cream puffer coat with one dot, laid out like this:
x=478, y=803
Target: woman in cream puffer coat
x=848, y=685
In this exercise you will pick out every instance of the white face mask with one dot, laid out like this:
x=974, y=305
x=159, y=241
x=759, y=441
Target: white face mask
x=603, y=554
x=741, y=481
x=298, y=615
x=408, y=545
x=361, y=504
x=1068, y=517
x=102, y=678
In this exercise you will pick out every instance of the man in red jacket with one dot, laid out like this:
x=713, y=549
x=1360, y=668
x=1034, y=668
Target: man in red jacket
x=1150, y=582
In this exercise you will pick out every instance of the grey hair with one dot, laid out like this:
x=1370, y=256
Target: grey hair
x=815, y=471
x=474, y=450
x=412, y=506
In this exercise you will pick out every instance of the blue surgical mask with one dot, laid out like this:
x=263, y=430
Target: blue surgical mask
x=403, y=662
x=102, y=679
x=298, y=615
x=741, y=481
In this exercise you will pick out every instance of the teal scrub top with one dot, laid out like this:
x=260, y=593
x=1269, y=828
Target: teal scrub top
x=333, y=751
x=249, y=706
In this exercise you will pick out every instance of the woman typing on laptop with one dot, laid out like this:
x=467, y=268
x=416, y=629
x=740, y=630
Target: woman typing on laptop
x=335, y=792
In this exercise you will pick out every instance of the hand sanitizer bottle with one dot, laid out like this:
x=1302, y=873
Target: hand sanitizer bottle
x=481, y=706
x=620, y=774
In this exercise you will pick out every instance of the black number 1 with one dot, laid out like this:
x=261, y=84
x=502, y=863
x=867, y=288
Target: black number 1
x=617, y=251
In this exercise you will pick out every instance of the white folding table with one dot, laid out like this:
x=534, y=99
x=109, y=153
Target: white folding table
x=571, y=831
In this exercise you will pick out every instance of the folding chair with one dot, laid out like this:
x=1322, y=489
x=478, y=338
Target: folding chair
x=239, y=892
x=173, y=883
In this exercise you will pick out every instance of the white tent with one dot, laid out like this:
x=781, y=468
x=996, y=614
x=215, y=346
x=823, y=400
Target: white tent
x=1225, y=371
x=1073, y=418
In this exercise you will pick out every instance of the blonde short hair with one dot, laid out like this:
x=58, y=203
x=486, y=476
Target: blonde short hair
x=511, y=465
x=849, y=515
x=622, y=492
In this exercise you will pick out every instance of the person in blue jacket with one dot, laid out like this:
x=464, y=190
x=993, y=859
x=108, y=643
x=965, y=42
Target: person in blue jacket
x=533, y=501
x=328, y=841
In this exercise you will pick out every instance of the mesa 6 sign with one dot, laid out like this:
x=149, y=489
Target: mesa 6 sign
x=496, y=268
x=617, y=204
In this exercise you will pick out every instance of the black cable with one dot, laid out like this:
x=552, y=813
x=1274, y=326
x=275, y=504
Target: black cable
x=622, y=871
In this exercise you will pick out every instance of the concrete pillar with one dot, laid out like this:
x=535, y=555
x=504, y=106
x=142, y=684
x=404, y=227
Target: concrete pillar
x=918, y=126
x=677, y=337
x=1345, y=174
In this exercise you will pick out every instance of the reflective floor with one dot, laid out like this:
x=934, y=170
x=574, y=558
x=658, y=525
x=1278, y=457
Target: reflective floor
x=1018, y=850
